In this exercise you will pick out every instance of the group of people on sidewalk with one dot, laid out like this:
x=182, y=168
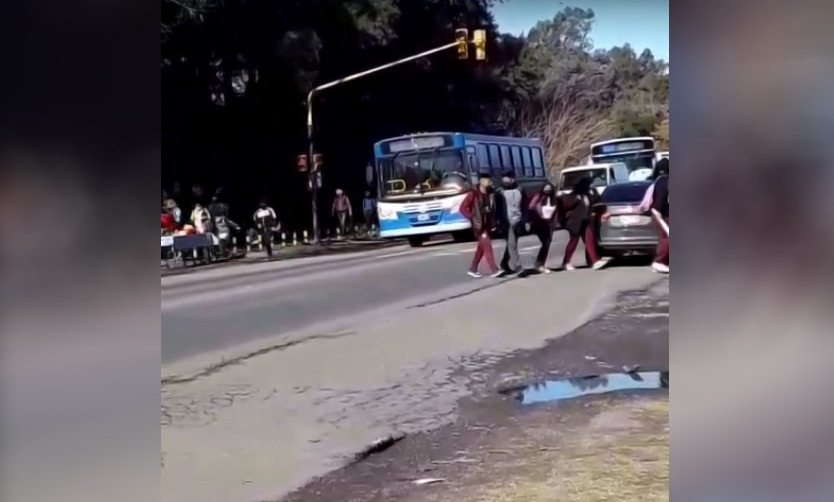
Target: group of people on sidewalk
x=341, y=210
x=507, y=210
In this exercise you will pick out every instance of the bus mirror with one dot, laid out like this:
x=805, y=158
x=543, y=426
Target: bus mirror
x=369, y=174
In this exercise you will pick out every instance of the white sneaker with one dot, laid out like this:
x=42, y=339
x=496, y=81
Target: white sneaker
x=476, y=275
x=569, y=267
x=600, y=264
x=660, y=268
x=544, y=270
x=499, y=273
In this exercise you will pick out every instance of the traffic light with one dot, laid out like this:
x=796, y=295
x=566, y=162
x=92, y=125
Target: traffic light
x=479, y=41
x=318, y=162
x=462, y=36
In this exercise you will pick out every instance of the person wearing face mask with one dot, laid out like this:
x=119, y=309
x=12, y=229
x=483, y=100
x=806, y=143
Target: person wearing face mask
x=479, y=208
x=543, y=211
x=575, y=212
x=514, y=216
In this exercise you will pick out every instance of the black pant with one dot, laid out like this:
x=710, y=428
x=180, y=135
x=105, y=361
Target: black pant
x=266, y=239
x=342, y=218
x=545, y=235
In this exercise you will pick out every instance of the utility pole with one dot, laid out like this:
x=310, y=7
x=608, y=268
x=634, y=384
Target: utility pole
x=461, y=43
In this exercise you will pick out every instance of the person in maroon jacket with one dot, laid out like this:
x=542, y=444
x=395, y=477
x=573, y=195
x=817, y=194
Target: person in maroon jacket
x=479, y=208
x=342, y=210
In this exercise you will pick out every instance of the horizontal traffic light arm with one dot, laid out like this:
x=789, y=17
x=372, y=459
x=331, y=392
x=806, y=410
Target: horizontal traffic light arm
x=374, y=70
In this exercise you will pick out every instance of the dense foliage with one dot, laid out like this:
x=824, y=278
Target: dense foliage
x=236, y=74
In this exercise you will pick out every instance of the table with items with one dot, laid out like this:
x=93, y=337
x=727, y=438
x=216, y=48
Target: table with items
x=194, y=247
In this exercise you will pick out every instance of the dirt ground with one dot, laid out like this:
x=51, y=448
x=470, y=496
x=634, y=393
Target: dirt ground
x=613, y=447
x=621, y=454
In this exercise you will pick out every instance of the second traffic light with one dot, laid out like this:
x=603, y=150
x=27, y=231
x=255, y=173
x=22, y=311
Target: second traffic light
x=462, y=37
x=479, y=41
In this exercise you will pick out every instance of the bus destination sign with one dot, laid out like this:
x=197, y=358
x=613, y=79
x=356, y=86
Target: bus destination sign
x=623, y=147
x=416, y=143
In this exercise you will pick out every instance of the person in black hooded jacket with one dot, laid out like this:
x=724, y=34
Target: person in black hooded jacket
x=575, y=216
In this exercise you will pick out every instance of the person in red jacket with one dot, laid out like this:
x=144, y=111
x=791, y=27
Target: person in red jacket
x=479, y=208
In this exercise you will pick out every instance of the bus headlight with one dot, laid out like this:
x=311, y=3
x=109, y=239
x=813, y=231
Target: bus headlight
x=386, y=213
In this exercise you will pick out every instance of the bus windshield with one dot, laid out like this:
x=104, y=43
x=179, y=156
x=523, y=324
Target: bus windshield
x=633, y=161
x=422, y=172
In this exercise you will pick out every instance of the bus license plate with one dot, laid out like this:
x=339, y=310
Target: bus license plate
x=422, y=217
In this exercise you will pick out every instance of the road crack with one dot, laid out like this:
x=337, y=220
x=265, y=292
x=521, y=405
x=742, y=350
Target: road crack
x=225, y=363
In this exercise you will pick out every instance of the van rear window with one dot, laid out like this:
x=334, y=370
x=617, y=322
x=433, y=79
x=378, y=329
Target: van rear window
x=569, y=180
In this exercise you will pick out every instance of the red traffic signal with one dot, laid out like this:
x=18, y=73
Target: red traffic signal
x=301, y=163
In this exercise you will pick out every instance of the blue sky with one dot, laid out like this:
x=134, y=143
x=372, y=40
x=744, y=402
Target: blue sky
x=642, y=23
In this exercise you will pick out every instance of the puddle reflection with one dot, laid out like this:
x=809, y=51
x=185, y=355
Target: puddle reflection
x=571, y=388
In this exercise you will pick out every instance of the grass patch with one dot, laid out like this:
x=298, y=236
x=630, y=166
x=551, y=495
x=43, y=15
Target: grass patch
x=622, y=455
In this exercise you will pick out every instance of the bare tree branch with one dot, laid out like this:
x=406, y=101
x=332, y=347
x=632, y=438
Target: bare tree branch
x=567, y=122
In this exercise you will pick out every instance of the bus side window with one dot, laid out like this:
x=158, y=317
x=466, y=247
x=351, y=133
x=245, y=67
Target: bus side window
x=528, y=165
x=517, y=160
x=483, y=158
x=538, y=165
x=494, y=159
x=506, y=161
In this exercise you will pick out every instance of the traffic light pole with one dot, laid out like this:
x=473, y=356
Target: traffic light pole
x=313, y=169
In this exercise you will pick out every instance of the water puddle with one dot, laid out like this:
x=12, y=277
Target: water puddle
x=572, y=388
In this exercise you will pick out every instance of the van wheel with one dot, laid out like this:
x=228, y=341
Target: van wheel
x=416, y=241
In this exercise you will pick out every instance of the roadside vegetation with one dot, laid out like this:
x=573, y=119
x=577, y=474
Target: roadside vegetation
x=235, y=74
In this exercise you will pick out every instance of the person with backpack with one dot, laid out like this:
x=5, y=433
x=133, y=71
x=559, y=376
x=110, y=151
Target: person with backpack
x=479, y=208
x=223, y=225
x=514, y=219
x=656, y=203
x=201, y=219
x=542, y=208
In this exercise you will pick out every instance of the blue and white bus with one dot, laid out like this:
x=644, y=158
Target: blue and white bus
x=422, y=179
x=638, y=154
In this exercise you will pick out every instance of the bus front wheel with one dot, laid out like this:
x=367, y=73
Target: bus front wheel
x=416, y=241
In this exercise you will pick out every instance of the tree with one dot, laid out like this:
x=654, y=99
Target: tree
x=661, y=133
x=567, y=124
x=235, y=74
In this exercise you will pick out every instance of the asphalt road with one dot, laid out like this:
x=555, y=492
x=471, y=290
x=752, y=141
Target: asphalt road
x=221, y=309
